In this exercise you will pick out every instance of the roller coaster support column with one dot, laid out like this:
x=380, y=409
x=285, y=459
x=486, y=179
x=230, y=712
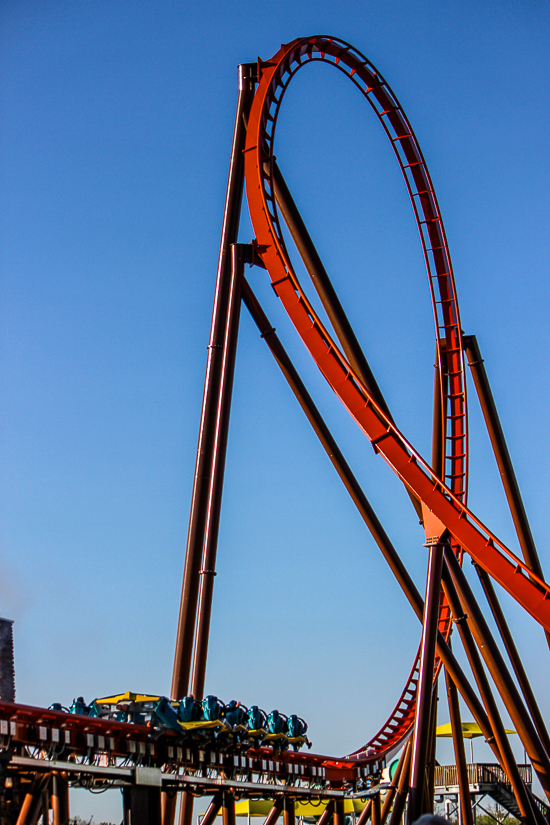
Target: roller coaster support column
x=331, y=447
x=501, y=677
x=362, y=503
x=363, y=817
x=46, y=796
x=289, y=811
x=228, y=809
x=339, y=814
x=388, y=802
x=141, y=805
x=324, y=287
x=403, y=765
x=208, y=567
x=375, y=810
x=213, y=810
x=429, y=785
x=32, y=803
x=60, y=799
x=275, y=811
x=168, y=808
x=423, y=711
x=466, y=817
x=502, y=748
x=502, y=455
x=204, y=471
x=322, y=283
x=510, y=646
x=402, y=789
x=326, y=816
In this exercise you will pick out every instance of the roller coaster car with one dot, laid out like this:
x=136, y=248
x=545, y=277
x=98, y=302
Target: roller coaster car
x=190, y=710
x=203, y=722
x=136, y=708
x=235, y=713
x=296, y=732
x=236, y=716
x=212, y=709
x=78, y=707
x=210, y=724
x=256, y=724
x=276, y=731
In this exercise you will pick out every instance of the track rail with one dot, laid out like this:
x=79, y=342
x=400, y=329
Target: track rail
x=443, y=498
x=91, y=745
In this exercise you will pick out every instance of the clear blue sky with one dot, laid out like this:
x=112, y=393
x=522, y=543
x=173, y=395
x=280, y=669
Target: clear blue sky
x=115, y=137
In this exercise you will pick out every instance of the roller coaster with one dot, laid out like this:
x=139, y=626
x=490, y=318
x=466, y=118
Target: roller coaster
x=207, y=722
x=161, y=749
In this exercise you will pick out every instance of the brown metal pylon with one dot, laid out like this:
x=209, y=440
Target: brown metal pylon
x=208, y=481
x=425, y=687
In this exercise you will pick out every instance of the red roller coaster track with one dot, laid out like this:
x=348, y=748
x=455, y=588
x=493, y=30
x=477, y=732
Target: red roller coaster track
x=447, y=501
x=439, y=492
x=33, y=739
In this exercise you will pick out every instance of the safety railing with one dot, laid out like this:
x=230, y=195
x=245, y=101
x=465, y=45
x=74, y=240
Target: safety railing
x=479, y=774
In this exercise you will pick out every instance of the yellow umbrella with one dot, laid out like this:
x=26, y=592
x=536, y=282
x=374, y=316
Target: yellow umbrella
x=470, y=730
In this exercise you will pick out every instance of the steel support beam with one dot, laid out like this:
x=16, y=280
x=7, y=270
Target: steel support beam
x=327, y=294
x=503, y=459
x=204, y=517
x=514, y=657
x=32, y=802
x=375, y=813
x=60, y=799
x=360, y=500
x=228, y=808
x=402, y=789
x=339, y=814
x=168, y=802
x=423, y=710
x=499, y=740
x=141, y=805
x=27, y=802
x=186, y=808
x=364, y=816
x=403, y=765
x=325, y=290
x=45, y=808
x=460, y=755
x=276, y=811
x=201, y=497
x=208, y=565
x=497, y=668
x=213, y=809
x=289, y=810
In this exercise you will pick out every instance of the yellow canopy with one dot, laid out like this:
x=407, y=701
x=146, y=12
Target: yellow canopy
x=470, y=730
x=127, y=697
x=261, y=807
